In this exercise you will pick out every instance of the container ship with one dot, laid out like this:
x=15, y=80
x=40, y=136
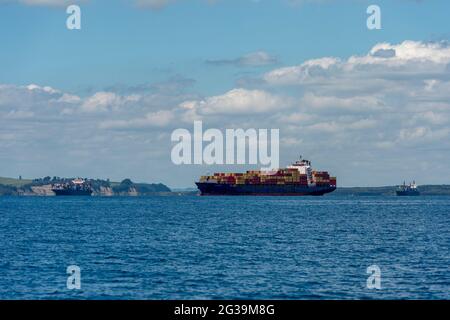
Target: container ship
x=408, y=190
x=298, y=179
x=77, y=187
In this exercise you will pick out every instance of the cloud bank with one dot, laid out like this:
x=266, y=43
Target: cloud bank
x=383, y=112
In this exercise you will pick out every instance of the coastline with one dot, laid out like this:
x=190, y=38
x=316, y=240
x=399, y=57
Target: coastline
x=127, y=188
x=104, y=188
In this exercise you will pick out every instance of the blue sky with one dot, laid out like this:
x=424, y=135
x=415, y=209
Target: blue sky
x=130, y=62
x=122, y=44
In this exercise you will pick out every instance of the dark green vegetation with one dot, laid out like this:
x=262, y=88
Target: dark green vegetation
x=127, y=186
x=9, y=186
x=7, y=190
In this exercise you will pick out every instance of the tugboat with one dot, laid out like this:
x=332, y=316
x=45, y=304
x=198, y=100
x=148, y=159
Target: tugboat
x=408, y=190
x=77, y=187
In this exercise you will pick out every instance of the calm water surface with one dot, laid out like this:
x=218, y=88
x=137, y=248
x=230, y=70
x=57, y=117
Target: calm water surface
x=225, y=247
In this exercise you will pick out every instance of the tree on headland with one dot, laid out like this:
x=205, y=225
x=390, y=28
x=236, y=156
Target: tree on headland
x=126, y=182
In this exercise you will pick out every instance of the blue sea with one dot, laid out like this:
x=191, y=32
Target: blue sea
x=191, y=247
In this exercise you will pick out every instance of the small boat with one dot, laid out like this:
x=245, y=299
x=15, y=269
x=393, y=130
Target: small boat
x=408, y=190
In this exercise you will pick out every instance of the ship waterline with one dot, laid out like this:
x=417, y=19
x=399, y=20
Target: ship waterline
x=70, y=192
x=262, y=190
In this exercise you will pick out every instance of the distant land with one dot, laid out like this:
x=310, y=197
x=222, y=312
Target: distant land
x=42, y=187
x=425, y=190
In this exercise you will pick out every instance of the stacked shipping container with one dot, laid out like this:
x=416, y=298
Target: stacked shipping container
x=280, y=177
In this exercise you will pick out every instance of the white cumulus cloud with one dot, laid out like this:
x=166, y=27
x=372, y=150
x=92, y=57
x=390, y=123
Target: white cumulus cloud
x=238, y=101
